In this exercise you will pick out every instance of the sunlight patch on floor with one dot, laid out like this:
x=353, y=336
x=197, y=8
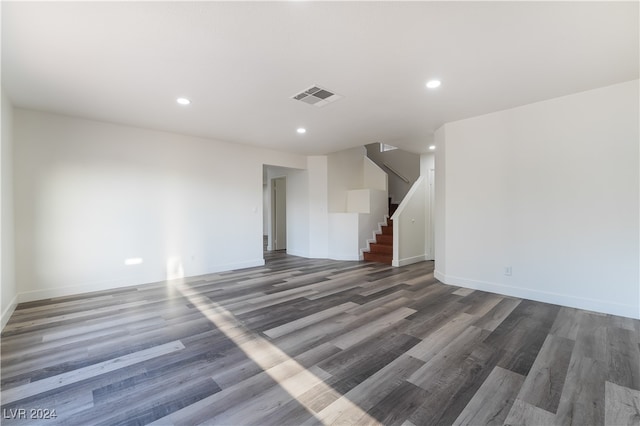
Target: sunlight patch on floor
x=290, y=375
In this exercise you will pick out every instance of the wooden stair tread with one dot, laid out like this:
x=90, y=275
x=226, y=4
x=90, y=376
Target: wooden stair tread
x=381, y=250
x=384, y=239
x=377, y=257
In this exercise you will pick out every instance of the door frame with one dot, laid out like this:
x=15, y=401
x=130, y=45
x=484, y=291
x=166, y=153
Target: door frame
x=278, y=216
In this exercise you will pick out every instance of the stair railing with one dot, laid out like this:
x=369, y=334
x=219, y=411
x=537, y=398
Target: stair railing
x=395, y=172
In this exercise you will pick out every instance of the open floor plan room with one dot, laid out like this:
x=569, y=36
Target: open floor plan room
x=283, y=213
x=302, y=341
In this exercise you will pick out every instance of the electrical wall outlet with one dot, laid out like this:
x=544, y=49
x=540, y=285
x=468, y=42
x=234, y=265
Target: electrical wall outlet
x=508, y=271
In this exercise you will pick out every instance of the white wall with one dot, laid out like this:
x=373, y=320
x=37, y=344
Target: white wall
x=427, y=170
x=440, y=208
x=298, y=213
x=374, y=176
x=8, y=296
x=343, y=236
x=90, y=195
x=551, y=190
x=344, y=172
x=409, y=233
x=318, y=206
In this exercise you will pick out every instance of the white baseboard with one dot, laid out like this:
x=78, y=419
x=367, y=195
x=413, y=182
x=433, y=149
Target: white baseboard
x=344, y=257
x=318, y=255
x=298, y=253
x=233, y=266
x=570, y=301
x=8, y=312
x=135, y=280
x=408, y=260
x=48, y=293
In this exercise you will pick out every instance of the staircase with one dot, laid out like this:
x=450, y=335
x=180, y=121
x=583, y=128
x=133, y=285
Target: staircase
x=382, y=250
x=392, y=207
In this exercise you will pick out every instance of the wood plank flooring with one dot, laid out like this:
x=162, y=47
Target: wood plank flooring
x=311, y=342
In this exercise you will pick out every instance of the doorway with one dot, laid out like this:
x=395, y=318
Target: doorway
x=279, y=213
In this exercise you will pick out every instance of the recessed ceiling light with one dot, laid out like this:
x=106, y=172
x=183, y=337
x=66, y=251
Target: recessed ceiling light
x=183, y=101
x=432, y=147
x=301, y=130
x=432, y=84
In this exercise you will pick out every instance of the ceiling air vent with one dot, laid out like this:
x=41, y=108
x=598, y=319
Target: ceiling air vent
x=316, y=96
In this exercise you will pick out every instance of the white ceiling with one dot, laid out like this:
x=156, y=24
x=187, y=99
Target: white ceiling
x=239, y=63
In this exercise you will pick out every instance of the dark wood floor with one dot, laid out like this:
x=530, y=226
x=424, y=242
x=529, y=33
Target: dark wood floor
x=317, y=342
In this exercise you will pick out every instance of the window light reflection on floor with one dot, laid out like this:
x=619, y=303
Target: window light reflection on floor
x=290, y=375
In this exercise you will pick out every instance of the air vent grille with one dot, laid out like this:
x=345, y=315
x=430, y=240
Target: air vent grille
x=316, y=96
